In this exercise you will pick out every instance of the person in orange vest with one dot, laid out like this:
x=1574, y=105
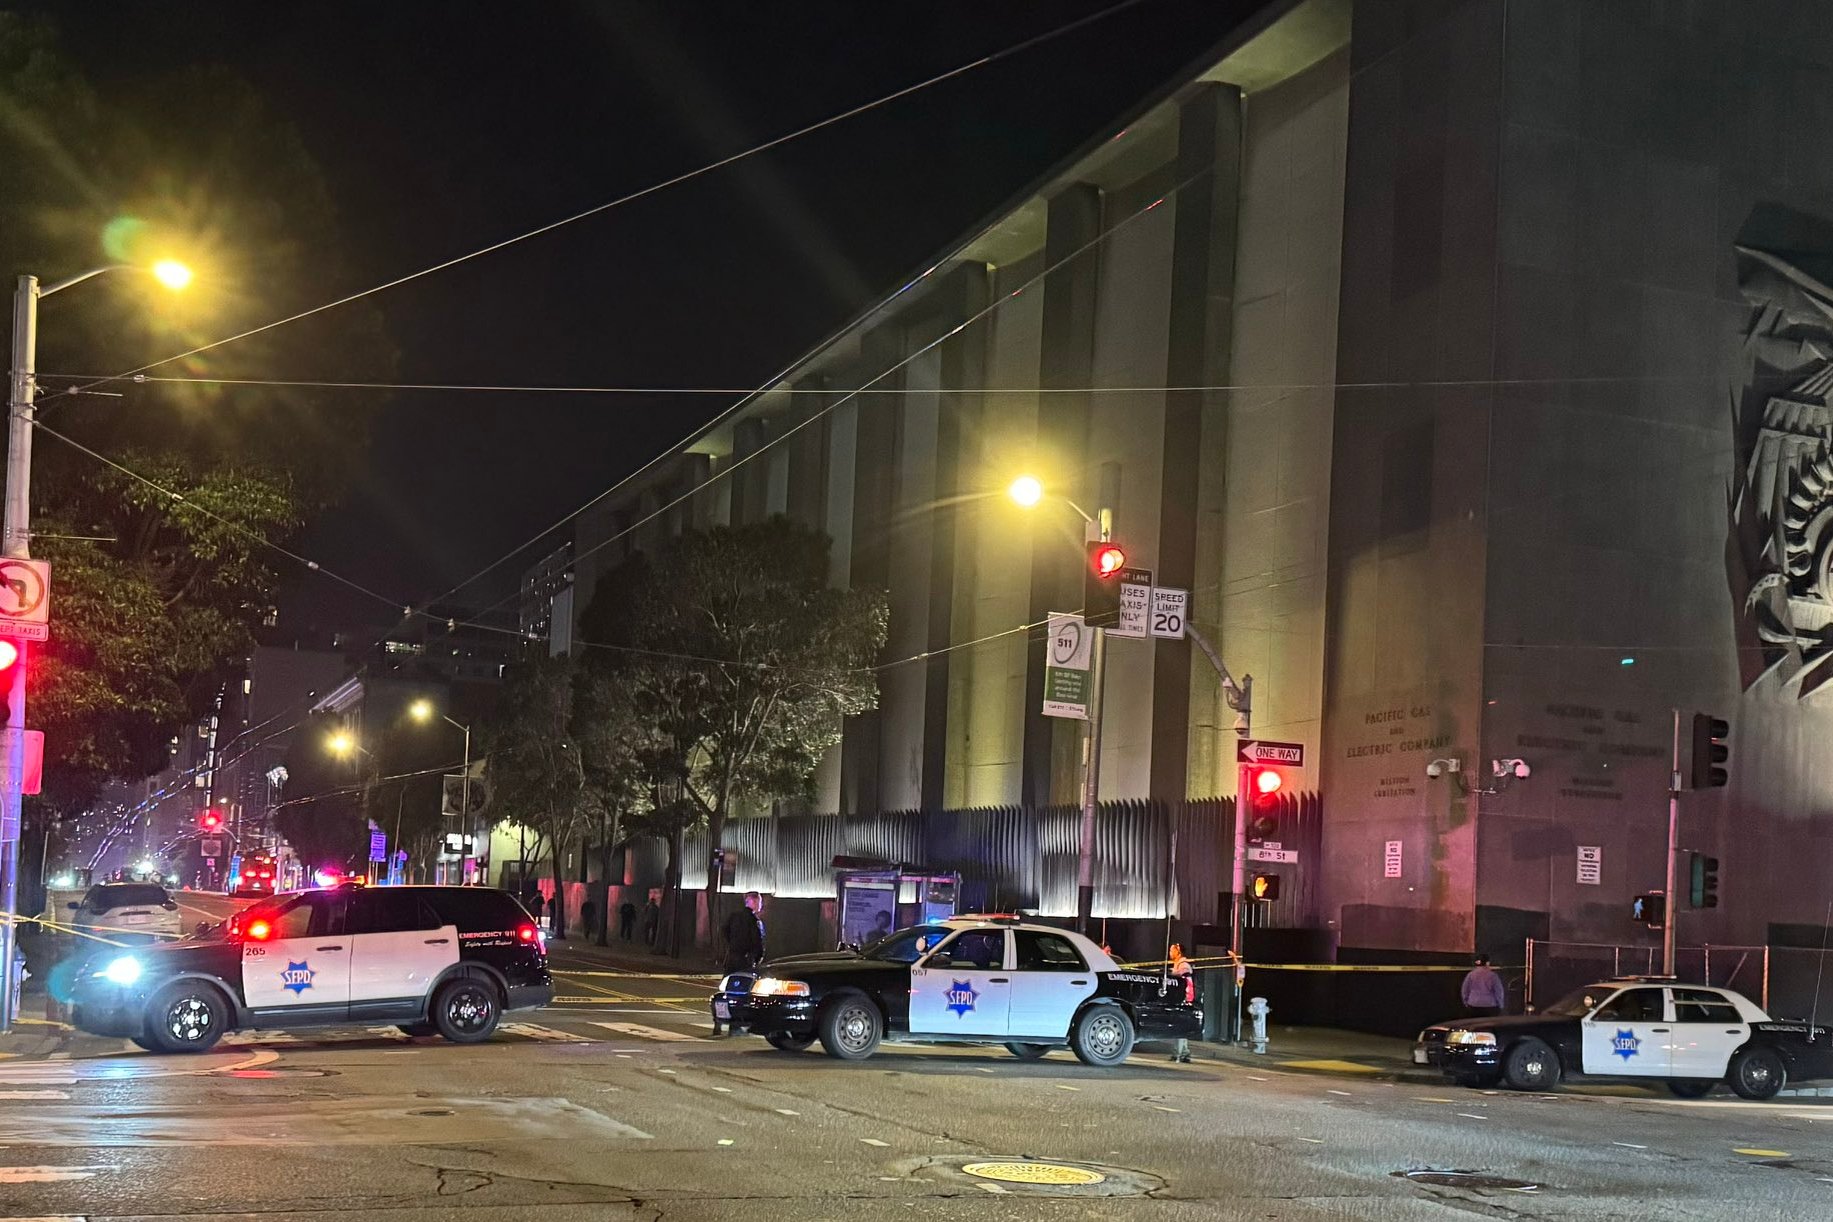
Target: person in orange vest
x=1185, y=975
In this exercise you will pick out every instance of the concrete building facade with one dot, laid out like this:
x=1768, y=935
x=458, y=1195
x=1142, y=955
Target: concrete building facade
x=1467, y=361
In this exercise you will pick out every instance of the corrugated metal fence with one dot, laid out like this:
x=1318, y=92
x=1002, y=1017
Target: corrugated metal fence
x=1025, y=858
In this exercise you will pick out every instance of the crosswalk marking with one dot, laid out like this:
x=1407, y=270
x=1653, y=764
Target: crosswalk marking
x=548, y=1034
x=34, y=1094
x=46, y=1175
x=648, y=1033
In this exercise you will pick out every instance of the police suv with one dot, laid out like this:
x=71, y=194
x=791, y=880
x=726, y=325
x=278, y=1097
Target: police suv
x=434, y=960
x=970, y=980
x=1690, y=1036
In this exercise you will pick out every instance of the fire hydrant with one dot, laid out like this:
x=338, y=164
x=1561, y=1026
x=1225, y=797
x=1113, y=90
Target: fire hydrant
x=1257, y=1010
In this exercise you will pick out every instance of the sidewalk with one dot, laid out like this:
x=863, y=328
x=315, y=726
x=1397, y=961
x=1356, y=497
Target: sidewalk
x=1329, y=1051
x=580, y=953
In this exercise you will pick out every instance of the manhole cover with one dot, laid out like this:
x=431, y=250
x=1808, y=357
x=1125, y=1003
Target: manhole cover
x=1465, y=1179
x=1035, y=1173
x=1027, y=1174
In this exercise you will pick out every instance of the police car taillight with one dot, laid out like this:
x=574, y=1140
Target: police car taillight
x=258, y=931
x=530, y=934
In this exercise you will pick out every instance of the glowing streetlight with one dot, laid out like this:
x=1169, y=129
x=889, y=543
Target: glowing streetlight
x=171, y=273
x=341, y=743
x=1026, y=491
x=421, y=710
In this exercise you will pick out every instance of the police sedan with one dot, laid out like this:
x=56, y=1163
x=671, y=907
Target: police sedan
x=972, y=980
x=433, y=960
x=1691, y=1037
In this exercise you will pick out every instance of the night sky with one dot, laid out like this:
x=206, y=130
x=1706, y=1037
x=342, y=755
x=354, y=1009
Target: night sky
x=443, y=127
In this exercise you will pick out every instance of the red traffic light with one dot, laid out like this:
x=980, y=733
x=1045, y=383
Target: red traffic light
x=210, y=821
x=1108, y=559
x=1267, y=782
x=9, y=655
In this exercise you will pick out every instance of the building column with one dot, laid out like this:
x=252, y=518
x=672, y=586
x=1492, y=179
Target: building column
x=874, y=486
x=1066, y=365
x=1197, y=354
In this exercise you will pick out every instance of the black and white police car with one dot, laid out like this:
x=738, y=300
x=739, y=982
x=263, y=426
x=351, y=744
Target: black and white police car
x=1690, y=1036
x=970, y=980
x=434, y=960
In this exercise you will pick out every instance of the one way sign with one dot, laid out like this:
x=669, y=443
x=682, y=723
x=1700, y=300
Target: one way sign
x=1260, y=751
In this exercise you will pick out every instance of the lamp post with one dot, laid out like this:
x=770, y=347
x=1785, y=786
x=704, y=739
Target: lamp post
x=1027, y=492
x=15, y=541
x=422, y=711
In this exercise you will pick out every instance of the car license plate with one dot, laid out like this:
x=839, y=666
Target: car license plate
x=136, y=918
x=721, y=1009
x=1420, y=1057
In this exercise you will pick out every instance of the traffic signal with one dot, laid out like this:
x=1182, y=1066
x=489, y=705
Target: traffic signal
x=10, y=655
x=1710, y=752
x=1264, y=887
x=1651, y=909
x=1101, y=584
x=1702, y=875
x=210, y=821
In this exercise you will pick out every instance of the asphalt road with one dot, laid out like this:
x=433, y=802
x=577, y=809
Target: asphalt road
x=617, y=1103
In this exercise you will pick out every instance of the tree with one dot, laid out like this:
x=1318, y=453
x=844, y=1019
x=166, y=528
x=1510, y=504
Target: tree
x=155, y=596
x=535, y=773
x=321, y=807
x=743, y=659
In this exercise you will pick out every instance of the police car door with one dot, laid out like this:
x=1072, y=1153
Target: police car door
x=963, y=986
x=1629, y=1035
x=1050, y=983
x=401, y=946
x=301, y=960
x=1707, y=1030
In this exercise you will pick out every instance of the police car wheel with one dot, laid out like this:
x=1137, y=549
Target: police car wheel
x=851, y=1027
x=1690, y=1088
x=185, y=1017
x=1102, y=1036
x=1027, y=1052
x=466, y=1011
x=787, y=1041
x=1531, y=1065
x=1757, y=1073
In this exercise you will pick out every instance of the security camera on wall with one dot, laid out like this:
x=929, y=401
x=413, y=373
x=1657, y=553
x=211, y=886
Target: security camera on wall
x=1438, y=768
x=1516, y=768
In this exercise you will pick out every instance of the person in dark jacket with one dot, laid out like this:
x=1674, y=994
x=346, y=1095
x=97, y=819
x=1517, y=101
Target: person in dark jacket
x=626, y=920
x=745, y=935
x=1483, y=992
x=652, y=921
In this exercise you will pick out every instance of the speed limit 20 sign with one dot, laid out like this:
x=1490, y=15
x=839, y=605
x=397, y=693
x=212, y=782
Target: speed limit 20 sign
x=1169, y=612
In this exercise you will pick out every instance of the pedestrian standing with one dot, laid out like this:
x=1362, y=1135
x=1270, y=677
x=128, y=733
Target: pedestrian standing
x=534, y=905
x=652, y=921
x=1182, y=976
x=1484, y=994
x=744, y=932
x=626, y=920
x=588, y=912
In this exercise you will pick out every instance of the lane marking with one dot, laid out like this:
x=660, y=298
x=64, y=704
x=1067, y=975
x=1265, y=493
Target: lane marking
x=1343, y=1093
x=669, y=1072
x=725, y=1141
x=34, y=1094
x=1435, y=1099
x=1162, y=1108
x=724, y=1090
x=1060, y=1086
x=995, y=1189
x=873, y=1141
x=648, y=1033
x=1316, y=1141
x=785, y=1111
x=1628, y=1145
x=47, y=1175
x=1756, y=1153
x=1472, y=1116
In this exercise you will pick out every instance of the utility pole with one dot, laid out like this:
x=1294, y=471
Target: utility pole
x=1673, y=907
x=1091, y=758
x=15, y=545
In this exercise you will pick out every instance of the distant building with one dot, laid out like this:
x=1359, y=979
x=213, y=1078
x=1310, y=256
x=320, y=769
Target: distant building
x=544, y=604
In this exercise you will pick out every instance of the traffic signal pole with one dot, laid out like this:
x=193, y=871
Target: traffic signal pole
x=1673, y=907
x=15, y=545
x=1240, y=698
x=1091, y=759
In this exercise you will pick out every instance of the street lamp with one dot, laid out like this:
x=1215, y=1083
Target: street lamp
x=15, y=537
x=1027, y=491
x=341, y=743
x=423, y=711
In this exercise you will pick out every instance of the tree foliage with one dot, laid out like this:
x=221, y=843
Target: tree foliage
x=741, y=660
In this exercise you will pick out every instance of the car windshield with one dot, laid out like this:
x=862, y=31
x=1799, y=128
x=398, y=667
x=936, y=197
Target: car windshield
x=1577, y=1003
x=905, y=945
x=124, y=895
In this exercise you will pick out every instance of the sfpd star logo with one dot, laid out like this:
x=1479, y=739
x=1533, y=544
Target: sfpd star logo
x=297, y=977
x=1625, y=1043
x=961, y=997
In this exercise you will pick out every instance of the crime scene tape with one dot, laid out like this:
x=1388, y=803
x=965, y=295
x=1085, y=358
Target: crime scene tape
x=1211, y=962
x=58, y=927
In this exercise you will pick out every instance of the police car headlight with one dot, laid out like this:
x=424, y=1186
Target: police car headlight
x=124, y=970
x=1471, y=1037
x=770, y=986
